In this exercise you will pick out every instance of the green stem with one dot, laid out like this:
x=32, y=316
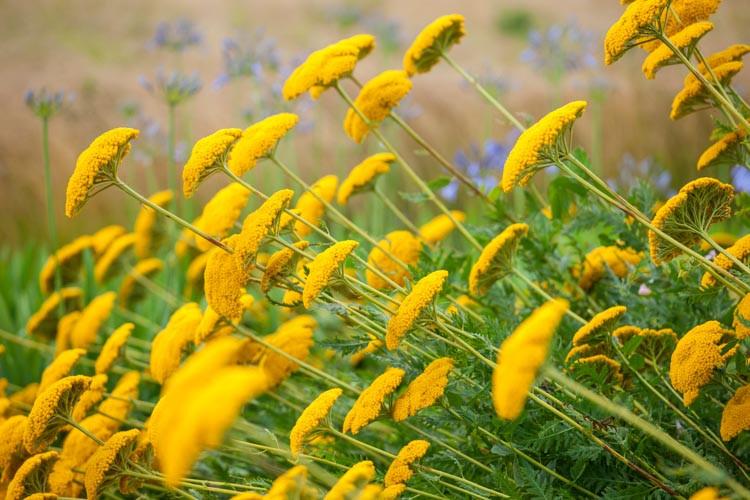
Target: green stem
x=171, y=141
x=50, y=201
x=396, y=211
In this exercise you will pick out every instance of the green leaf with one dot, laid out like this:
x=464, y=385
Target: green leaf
x=439, y=183
x=561, y=194
x=414, y=197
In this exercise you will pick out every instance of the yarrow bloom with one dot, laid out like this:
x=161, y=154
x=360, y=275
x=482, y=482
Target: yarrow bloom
x=280, y=263
x=637, y=25
x=113, y=348
x=224, y=281
x=149, y=234
x=68, y=260
x=540, y=145
x=688, y=215
x=401, y=244
x=440, y=227
x=600, y=325
x=259, y=141
x=257, y=226
x=105, y=236
x=400, y=470
x=290, y=484
x=96, y=166
x=423, y=391
x=169, y=343
x=741, y=321
x=732, y=53
x=43, y=323
x=112, y=261
x=612, y=367
x=694, y=95
x=209, y=155
x=682, y=13
x=413, y=306
x=496, y=260
x=109, y=461
x=726, y=151
x=363, y=176
x=739, y=250
x=434, y=40
x=295, y=339
x=600, y=260
x=736, y=415
x=86, y=329
x=31, y=477
x=697, y=355
x=685, y=40
x=352, y=482
x=363, y=43
x=60, y=367
x=310, y=207
x=221, y=213
x=323, y=267
x=521, y=356
x=311, y=418
x=375, y=100
x=370, y=402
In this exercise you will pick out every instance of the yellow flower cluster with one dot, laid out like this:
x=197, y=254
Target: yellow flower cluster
x=400, y=470
x=311, y=418
x=600, y=325
x=435, y=39
x=109, y=461
x=310, y=206
x=113, y=258
x=86, y=329
x=89, y=399
x=208, y=155
x=697, y=355
x=43, y=322
x=521, y=356
x=279, y=264
x=741, y=321
x=440, y=227
x=420, y=298
x=221, y=213
x=401, y=244
x=732, y=53
x=294, y=338
x=539, y=145
x=722, y=150
x=149, y=234
x=694, y=94
x=259, y=141
x=290, y=484
x=12, y=450
x=323, y=267
x=352, y=482
x=370, y=402
x=224, y=281
x=60, y=367
x=638, y=24
x=97, y=165
x=105, y=236
x=169, y=343
x=740, y=250
x=363, y=175
x=374, y=103
x=257, y=226
x=496, y=260
x=113, y=348
x=67, y=260
x=601, y=360
x=423, y=391
x=684, y=40
x=736, y=415
x=31, y=477
x=682, y=13
x=596, y=264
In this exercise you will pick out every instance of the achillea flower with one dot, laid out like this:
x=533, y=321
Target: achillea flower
x=224, y=281
x=363, y=175
x=375, y=100
x=90, y=398
x=584, y=350
x=169, y=343
x=86, y=329
x=109, y=461
x=732, y=53
x=323, y=267
x=600, y=325
x=149, y=233
x=207, y=412
x=292, y=484
x=601, y=361
x=698, y=205
x=596, y=264
x=707, y=493
x=12, y=451
x=311, y=418
x=50, y=411
x=697, y=355
x=684, y=40
x=736, y=415
x=64, y=329
x=392, y=492
x=105, y=236
x=725, y=151
x=131, y=289
x=741, y=321
x=43, y=323
x=322, y=69
x=352, y=482
x=221, y=213
x=111, y=261
x=31, y=477
x=372, y=346
x=420, y=298
x=310, y=207
x=440, y=227
x=496, y=260
x=295, y=338
x=60, y=367
x=740, y=250
x=363, y=43
x=540, y=145
x=68, y=259
x=695, y=96
x=213, y=326
x=435, y=39
x=113, y=348
x=209, y=155
x=637, y=25
x=370, y=402
x=683, y=13
x=96, y=166
x=521, y=356
x=280, y=263
x=259, y=141
x=423, y=391
x=401, y=244
x=400, y=470
x=194, y=274
x=258, y=225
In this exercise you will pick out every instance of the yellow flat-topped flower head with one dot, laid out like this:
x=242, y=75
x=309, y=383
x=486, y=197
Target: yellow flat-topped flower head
x=109, y=461
x=694, y=95
x=60, y=367
x=132, y=289
x=113, y=348
x=732, y=53
x=31, y=477
x=113, y=259
x=295, y=338
x=370, y=402
x=259, y=141
x=375, y=100
x=600, y=362
x=599, y=326
x=322, y=69
x=68, y=259
x=435, y=39
x=637, y=25
x=209, y=154
x=682, y=13
x=310, y=207
x=89, y=399
x=87, y=328
x=726, y=151
x=44, y=322
x=540, y=145
x=323, y=267
x=521, y=356
x=105, y=236
x=280, y=263
x=169, y=344
x=363, y=176
x=401, y=244
x=736, y=415
x=97, y=166
x=740, y=250
x=311, y=418
x=496, y=260
x=684, y=40
x=400, y=470
x=363, y=43
x=438, y=228
x=149, y=232
x=413, y=307
x=260, y=224
x=698, y=205
x=224, y=281
x=292, y=484
x=697, y=355
x=423, y=391
x=12, y=451
x=600, y=260
x=352, y=482
x=221, y=213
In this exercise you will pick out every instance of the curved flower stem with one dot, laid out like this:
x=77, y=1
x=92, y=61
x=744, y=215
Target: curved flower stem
x=714, y=473
x=130, y=191
x=395, y=210
x=410, y=171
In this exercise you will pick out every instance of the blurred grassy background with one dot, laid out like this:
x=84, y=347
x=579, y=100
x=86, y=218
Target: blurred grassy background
x=100, y=53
